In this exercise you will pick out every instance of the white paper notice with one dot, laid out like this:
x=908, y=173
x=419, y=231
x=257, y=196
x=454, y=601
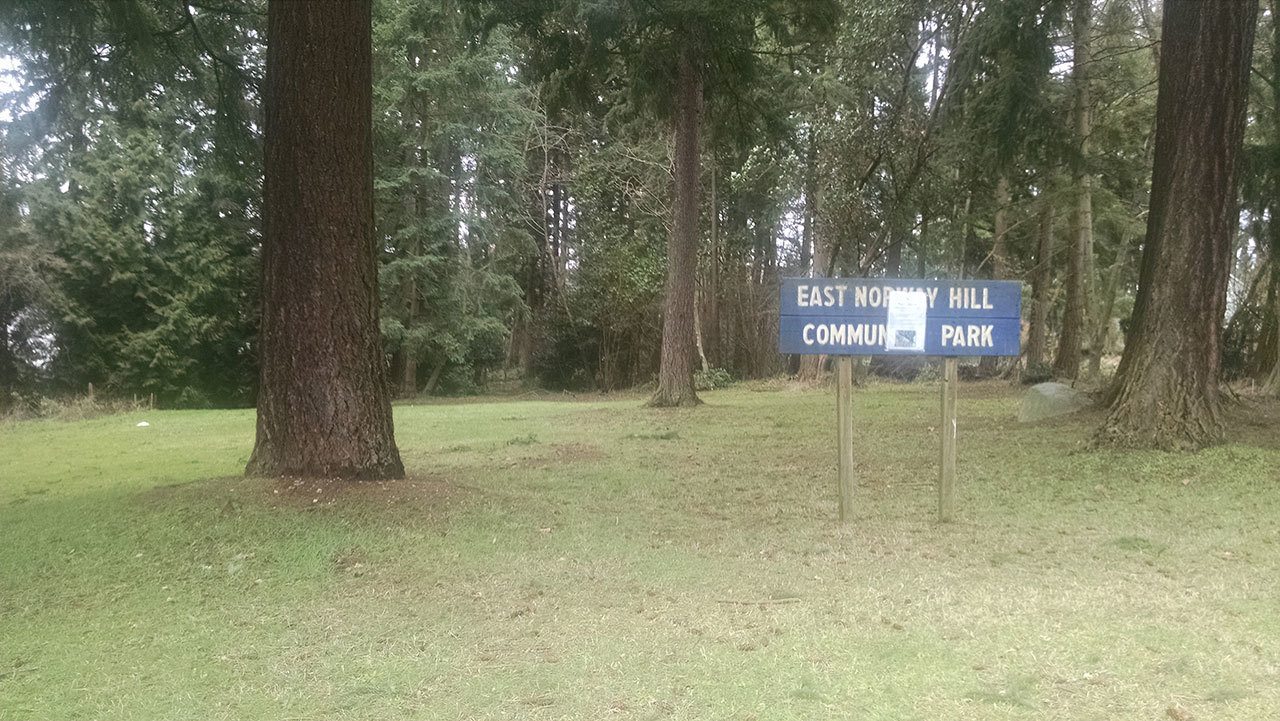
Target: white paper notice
x=905, y=328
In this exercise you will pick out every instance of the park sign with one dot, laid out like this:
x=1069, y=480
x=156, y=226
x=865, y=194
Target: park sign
x=846, y=317
x=867, y=316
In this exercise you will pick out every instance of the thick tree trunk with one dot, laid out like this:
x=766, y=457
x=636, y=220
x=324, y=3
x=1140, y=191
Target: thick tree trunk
x=1166, y=393
x=675, y=374
x=324, y=407
x=1040, y=279
x=1080, y=222
x=1271, y=383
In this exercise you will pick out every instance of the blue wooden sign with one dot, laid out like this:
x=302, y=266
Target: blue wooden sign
x=867, y=316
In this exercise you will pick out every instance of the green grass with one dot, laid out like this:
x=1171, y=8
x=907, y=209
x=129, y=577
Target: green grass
x=595, y=559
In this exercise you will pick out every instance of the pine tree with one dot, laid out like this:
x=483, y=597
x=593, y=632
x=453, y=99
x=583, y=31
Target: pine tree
x=324, y=406
x=1166, y=391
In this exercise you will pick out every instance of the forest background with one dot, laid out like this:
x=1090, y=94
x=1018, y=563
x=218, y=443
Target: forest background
x=524, y=186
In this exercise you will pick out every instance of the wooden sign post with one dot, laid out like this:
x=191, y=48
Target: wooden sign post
x=848, y=317
x=947, y=475
x=844, y=432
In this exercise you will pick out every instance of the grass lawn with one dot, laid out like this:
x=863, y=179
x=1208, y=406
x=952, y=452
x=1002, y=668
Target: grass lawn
x=598, y=560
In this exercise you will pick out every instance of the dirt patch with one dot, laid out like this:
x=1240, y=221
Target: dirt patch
x=563, y=454
x=233, y=493
x=415, y=491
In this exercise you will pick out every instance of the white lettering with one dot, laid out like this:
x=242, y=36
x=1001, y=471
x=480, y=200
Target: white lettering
x=807, y=334
x=802, y=291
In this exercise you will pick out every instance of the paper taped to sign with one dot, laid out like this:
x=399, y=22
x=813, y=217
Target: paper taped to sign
x=906, y=323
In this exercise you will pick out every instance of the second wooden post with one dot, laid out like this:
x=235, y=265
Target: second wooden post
x=947, y=478
x=844, y=420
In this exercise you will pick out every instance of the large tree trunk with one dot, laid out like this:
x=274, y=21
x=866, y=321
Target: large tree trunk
x=324, y=408
x=1080, y=222
x=1166, y=393
x=1271, y=383
x=1040, y=278
x=675, y=374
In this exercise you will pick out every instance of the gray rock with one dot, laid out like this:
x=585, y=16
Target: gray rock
x=1046, y=400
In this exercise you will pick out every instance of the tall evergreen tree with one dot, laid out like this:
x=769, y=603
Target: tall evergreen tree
x=1271, y=381
x=1166, y=391
x=324, y=406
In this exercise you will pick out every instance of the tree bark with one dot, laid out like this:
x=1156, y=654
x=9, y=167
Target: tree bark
x=1080, y=222
x=324, y=406
x=1166, y=394
x=675, y=374
x=1040, y=278
x=1271, y=383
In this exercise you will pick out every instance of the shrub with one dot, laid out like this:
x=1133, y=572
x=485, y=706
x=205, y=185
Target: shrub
x=712, y=378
